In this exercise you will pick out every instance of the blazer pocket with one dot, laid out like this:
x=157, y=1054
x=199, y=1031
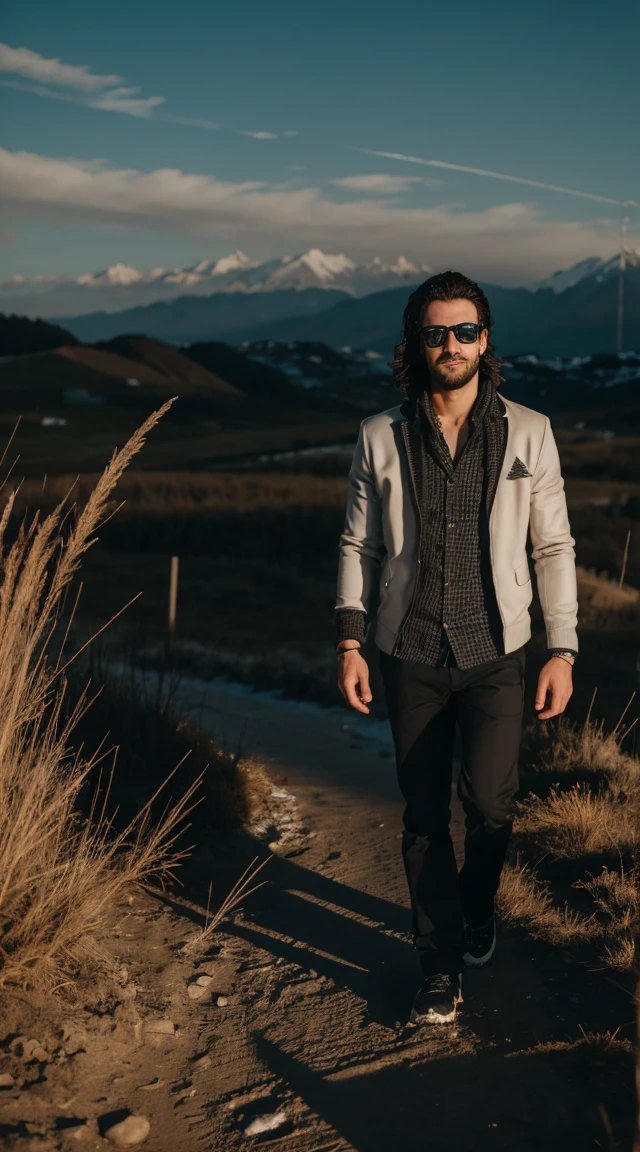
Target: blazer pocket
x=523, y=575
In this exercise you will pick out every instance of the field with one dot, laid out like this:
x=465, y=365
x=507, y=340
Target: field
x=258, y=556
x=269, y=1010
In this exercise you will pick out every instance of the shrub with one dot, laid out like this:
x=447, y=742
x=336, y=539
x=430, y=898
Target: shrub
x=59, y=873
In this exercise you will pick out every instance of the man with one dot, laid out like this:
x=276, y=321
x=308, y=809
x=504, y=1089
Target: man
x=444, y=490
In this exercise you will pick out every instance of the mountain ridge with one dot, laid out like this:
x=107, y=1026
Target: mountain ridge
x=581, y=319
x=121, y=284
x=190, y=319
x=573, y=312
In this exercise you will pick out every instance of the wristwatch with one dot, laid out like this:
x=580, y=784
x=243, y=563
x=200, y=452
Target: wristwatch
x=570, y=657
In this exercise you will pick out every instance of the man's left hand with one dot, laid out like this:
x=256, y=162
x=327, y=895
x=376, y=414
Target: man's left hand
x=555, y=683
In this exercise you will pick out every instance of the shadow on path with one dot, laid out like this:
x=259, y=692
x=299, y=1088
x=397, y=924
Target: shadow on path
x=461, y=1104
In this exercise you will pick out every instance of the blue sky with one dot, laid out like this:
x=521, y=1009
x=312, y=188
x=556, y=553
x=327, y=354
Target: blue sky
x=157, y=134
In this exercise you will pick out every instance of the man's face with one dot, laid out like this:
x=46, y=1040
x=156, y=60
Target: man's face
x=452, y=365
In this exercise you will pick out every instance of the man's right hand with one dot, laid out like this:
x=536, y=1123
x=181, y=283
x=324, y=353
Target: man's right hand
x=353, y=680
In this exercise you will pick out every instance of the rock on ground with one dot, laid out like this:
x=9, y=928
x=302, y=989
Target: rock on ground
x=265, y=1124
x=134, y=1130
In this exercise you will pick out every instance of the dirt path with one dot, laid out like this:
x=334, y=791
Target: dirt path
x=326, y=975
x=316, y=975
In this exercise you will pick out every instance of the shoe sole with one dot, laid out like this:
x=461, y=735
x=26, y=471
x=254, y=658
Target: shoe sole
x=432, y=1017
x=479, y=961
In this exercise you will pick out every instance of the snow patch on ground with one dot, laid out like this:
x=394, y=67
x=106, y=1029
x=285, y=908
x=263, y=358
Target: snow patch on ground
x=282, y=829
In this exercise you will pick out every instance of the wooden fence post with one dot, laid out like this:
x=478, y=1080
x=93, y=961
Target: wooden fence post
x=625, y=558
x=173, y=602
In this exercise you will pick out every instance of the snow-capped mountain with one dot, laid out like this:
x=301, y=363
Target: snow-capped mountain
x=253, y=298
x=220, y=273
x=314, y=269
x=594, y=266
x=122, y=286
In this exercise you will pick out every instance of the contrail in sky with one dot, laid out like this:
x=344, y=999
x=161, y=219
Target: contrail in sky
x=494, y=176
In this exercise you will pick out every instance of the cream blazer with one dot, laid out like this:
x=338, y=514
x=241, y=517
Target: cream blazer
x=378, y=550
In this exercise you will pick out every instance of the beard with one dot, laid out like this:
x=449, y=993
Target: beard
x=449, y=379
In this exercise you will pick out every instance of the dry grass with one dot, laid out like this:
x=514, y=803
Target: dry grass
x=616, y=896
x=585, y=815
x=598, y=1046
x=602, y=599
x=243, y=887
x=604, y=604
x=588, y=746
x=59, y=874
x=178, y=493
x=253, y=514
x=600, y=539
x=524, y=900
x=575, y=753
x=596, y=461
x=579, y=822
x=605, y=1061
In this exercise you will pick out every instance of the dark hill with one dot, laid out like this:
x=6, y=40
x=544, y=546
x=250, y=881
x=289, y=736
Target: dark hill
x=167, y=362
x=228, y=316
x=76, y=374
x=249, y=375
x=19, y=336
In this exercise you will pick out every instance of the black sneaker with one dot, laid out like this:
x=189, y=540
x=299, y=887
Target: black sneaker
x=437, y=999
x=480, y=943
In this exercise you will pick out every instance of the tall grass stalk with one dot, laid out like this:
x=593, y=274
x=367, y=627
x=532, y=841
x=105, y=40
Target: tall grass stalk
x=59, y=872
x=241, y=889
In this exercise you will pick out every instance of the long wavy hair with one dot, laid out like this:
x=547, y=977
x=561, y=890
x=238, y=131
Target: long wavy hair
x=409, y=366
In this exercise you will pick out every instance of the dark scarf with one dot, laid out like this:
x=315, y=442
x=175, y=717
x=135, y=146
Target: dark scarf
x=488, y=418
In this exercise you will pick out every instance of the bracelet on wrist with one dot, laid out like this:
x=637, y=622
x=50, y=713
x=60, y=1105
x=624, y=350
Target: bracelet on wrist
x=568, y=657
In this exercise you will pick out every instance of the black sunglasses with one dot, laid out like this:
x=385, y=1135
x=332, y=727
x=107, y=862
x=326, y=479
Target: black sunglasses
x=435, y=335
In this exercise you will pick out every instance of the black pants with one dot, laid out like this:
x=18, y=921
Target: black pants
x=424, y=705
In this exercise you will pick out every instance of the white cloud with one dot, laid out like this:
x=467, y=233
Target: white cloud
x=77, y=84
x=258, y=135
x=379, y=183
x=512, y=243
x=24, y=62
x=127, y=100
